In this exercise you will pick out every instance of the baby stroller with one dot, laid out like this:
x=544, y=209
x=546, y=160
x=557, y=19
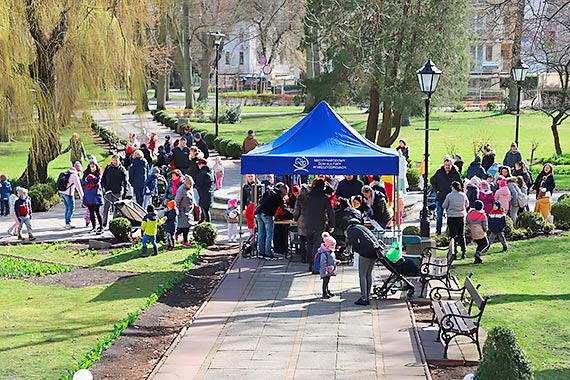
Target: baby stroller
x=395, y=280
x=343, y=251
x=431, y=206
x=126, y=208
x=248, y=246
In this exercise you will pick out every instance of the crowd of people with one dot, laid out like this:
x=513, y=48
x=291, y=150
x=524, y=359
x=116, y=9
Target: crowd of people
x=489, y=192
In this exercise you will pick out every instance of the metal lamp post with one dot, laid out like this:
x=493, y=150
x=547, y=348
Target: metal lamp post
x=217, y=37
x=428, y=76
x=519, y=71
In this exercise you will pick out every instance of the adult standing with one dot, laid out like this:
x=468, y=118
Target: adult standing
x=475, y=169
x=247, y=194
x=299, y=215
x=137, y=175
x=146, y=154
x=441, y=183
x=201, y=144
x=318, y=212
x=68, y=195
x=250, y=142
x=93, y=193
x=193, y=162
x=543, y=187
x=206, y=185
x=188, y=134
x=77, y=149
x=365, y=245
x=404, y=150
x=115, y=180
x=349, y=187
x=512, y=157
x=180, y=156
x=521, y=170
x=488, y=157
x=456, y=205
x=271, y=200
x=185, y=205
x=173, y=184
x=377, y=205
x=515, y=195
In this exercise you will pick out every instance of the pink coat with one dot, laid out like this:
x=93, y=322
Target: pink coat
x=487, y=199
x=503, y=195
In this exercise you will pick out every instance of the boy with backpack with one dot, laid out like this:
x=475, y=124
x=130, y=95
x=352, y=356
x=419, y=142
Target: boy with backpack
x=497, y=224
x=478, y=226
x=23, y=210
x=67, y=184
x=5, y=190
x=149, y=228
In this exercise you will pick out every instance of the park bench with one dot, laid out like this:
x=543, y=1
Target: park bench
x=451, y=315
x=437, y=268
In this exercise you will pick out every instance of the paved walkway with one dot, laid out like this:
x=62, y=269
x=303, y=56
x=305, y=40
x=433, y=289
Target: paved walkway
x=272, y=324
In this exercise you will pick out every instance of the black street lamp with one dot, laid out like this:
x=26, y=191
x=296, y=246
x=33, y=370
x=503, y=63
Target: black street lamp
x=428, y=76
x=217, y=37
x=519, y=71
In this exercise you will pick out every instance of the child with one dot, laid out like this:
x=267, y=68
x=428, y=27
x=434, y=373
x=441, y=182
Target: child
x=23, y=210
x=149, y=227
x=328, y=262
x=171, y=224
x=218, y=170
x=249, y=214
x=167, y=144
x=497, y=224
x=12, y=200
x=477, y=222
x=472, y=192
x=5, y=190
x=151, y=186
x=232, y=214
x=503, y=194
x=486, y=196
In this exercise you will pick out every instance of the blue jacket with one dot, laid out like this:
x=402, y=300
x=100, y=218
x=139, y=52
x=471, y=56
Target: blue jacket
x=138, y=172
x=497, y=220
x=21, y=201
x=151, y=184
x=327, y=259
x=5, y=190
x=171, y=223
x=92, y=191
x=476, y=170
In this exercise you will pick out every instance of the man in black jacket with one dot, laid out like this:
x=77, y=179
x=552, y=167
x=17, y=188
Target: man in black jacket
x=317, y=213
x=349, y=187
x=247, y=190
x=180, y=156
x=115, y=180
x=271, y=200
x=201, y=144
x=205, y=184
x=441, y=184
x=375, y=200
x=365, y=244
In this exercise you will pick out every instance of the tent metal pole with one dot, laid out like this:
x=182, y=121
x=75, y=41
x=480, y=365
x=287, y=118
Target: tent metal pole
x=240, y=225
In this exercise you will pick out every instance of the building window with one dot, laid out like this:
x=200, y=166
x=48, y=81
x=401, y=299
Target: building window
x=489, y=53
x=228, y=58
x=241, y=58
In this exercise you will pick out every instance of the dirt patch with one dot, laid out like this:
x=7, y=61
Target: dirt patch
x=450, y=372
x=81, y=277
x=139, y=348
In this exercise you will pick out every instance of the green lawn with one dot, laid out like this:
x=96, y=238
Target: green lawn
x=529, y=291
x=45, y=330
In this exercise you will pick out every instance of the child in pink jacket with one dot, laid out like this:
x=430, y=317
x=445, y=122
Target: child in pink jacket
x=503, y=195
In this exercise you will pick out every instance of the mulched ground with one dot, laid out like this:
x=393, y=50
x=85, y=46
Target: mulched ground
x=139, y=348
x=81, y=277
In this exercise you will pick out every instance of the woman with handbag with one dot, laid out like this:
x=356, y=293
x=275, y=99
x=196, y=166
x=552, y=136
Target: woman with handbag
x=543, y=187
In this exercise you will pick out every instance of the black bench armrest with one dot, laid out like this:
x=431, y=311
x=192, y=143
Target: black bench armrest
x=435, y=292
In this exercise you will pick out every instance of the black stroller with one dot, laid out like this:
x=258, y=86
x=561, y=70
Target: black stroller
x=126, y=208
x=248, y=247
x=162, y=185
x=431, y=205
x=395, y=280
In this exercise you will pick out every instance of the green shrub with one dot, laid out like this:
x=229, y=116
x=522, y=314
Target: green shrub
x=205, y=233
x=411, y=230
x=234, y=150
x=233, y=115
x=121, y=229
x=224, y=147
x=160, y=235
x=563, y=159
x=43, y=196
x=503, y=357
x=564, y=198
x=298, y=99
x=561, y=213
x=13, y=267
x=441, y=240
x=533, y=223
x=459, y=107
x=492, y=106
x=413, y=177
x=217, y=141
x=209, y=139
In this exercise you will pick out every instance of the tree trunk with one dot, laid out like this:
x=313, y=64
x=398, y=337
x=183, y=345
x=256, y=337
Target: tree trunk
x=373, y=113
x=205, y=67
x=406, y=119
x=186, y=57
x=161, y=92
x=5, y=124
x=554, y=129
x=516, y=54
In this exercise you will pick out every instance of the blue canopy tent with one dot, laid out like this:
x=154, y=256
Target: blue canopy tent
x=321, y=143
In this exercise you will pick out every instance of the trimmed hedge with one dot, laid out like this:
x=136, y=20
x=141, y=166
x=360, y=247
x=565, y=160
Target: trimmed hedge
x=205, y=233
x=121, y=229
x=234, y=150
x=561, y=213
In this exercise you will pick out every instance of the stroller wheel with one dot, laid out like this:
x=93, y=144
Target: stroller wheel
x=410, y=293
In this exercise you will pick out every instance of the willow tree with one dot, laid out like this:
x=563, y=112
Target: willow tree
x=380, y=45
x=55, y=55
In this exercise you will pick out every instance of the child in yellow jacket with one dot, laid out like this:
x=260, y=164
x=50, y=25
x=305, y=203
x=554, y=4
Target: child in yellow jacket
x=149, y=227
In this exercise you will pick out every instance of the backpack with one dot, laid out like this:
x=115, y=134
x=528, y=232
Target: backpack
x=522, y=199
x=62, y=181
x=24, y=209
x=317, y=262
